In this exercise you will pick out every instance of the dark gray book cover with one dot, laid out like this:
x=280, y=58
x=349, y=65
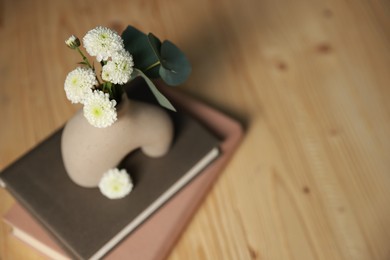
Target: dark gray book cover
x=86, y=223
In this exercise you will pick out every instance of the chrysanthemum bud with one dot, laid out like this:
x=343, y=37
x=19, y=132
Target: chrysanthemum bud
x=73, y=42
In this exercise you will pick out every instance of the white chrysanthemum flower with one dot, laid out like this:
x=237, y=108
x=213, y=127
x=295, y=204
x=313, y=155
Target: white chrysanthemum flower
x=99, y=110
x=79, y=83
x=118, y=70
x=115, y=184
x=102, y=42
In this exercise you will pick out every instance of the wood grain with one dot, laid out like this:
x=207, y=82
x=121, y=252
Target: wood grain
x=309, y=79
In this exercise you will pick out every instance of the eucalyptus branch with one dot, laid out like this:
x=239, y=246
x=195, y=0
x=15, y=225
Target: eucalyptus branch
x=153, y=65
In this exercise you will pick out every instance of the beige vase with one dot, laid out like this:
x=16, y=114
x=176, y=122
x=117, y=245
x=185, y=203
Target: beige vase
x=88, y=152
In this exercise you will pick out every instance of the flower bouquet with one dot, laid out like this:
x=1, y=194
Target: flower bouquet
x=122, y=58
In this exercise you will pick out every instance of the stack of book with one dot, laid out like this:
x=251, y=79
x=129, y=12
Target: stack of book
x=65, y=221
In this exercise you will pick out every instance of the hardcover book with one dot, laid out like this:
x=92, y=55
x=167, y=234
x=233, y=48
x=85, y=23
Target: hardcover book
x=85, y=223
x=153, y=239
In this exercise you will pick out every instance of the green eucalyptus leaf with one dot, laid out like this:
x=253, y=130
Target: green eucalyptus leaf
x=175, y=67
x=156, y=44
x=162, y=100
x=137, y=43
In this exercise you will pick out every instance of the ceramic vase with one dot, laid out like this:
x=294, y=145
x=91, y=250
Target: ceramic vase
x=88, y=152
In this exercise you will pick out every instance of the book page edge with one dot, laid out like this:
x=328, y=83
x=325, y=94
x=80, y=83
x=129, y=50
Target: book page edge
x=2, y=184
x=41, y=247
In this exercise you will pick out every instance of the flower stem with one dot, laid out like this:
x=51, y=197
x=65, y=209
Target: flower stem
x=153, y=65
x=87, y=63
x=107, y=87
x=84, y=58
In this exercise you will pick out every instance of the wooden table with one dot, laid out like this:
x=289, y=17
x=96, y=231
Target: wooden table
x=310, y=80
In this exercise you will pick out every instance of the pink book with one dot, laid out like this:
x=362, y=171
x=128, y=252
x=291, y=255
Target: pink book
x=155, y=238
